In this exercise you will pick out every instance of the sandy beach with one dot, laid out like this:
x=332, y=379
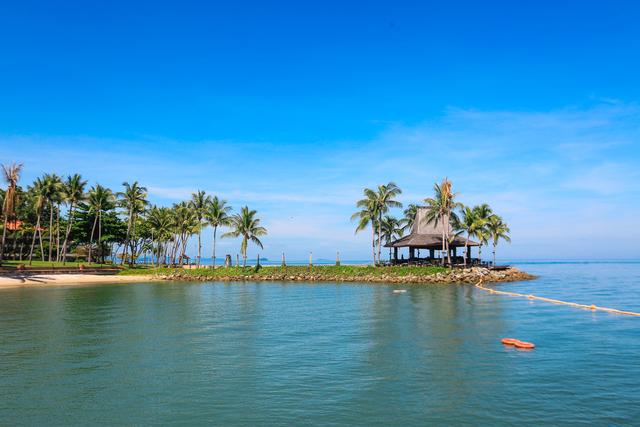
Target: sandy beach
x=47, y=280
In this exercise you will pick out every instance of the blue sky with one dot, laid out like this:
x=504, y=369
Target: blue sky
x=294, y=107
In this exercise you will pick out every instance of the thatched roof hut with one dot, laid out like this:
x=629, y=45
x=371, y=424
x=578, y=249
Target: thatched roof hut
x=428, y=235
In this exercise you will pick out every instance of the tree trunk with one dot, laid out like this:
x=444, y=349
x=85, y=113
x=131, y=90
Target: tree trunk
x=379, y=236
x=126, y=240
x=183, y=252
x=213, y=260
x=93, y=230
x=33, y=240
x=443, y=241
x=466, y=250
x=133, y=241
x=41, y=243
x=447, y=235
x=494, y=254
x=50, y=231
x=100, y=238
x=58, y=233
x=199, y=244
x=67, y=234
x=373, y=241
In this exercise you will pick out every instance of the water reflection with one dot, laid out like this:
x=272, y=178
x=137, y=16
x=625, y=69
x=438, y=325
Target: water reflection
x=283, y=354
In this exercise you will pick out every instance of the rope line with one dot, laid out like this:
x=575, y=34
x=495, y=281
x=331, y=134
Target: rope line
x=592, y=307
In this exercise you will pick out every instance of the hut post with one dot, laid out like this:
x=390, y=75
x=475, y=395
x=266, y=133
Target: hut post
x=258, y=262
x=395, y=254
x=237, y=260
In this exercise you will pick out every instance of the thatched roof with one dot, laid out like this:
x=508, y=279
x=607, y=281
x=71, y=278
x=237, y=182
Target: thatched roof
x=428, y=235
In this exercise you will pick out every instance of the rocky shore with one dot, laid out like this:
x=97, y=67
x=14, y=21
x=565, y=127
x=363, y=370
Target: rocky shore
x=455, y=276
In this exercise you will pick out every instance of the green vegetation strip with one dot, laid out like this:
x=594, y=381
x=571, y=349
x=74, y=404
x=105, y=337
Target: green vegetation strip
x=318, y=272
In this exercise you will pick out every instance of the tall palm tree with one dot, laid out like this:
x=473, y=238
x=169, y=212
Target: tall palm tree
x=134, y=200
x=246, y=225
x=100, y=200
x=368, y=215
x=391, y=229
x=217, y=215
x=199, y=203
x=441, y=209
x=73, y=194
x=11, y=175
x=497, y=229
x=386, y=199
x=37, y=193
x=52, y=187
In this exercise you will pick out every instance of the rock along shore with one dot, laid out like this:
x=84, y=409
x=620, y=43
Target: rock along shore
x=455, y=276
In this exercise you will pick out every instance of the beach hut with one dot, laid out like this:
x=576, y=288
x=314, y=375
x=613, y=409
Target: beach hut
x=427, y=236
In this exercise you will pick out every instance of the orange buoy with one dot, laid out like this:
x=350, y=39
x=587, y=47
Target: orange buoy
x=509, y=341
x=524, y=345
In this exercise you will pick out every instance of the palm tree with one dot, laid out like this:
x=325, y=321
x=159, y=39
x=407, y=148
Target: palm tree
x=386, y=199
x=368, y=214
x=134, y=200
x=52, y=187
x=100, y=200
x=73, y=194
x=497, y=229
x=11, y=176
x=441, y=210
x=217, y=214
x=199, y=203
x=185, y=225
x=472, y=224
x=37, y=193
x=161, y=225
x=245, y=224
x=409, y=217
x=482, y=212
x=391, y=229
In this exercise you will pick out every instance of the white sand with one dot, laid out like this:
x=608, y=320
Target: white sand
x=47, y=280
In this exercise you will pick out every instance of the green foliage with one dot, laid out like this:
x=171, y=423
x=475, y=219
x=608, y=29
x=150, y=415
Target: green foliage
x=328, y=272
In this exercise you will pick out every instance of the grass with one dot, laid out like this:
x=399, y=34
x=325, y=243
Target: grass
x=319, y=272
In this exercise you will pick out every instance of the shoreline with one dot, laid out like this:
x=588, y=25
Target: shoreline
x=415, y=275
x=62, y=279
x=289, y=274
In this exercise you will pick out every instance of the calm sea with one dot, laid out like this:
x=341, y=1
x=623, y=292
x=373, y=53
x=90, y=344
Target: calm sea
x=323, y=354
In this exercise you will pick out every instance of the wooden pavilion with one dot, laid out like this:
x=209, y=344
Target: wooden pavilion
x=428, y=236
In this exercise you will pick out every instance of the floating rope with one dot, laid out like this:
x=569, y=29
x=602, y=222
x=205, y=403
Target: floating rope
x=592, y=307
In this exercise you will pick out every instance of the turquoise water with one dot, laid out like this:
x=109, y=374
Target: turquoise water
x=323, y=354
